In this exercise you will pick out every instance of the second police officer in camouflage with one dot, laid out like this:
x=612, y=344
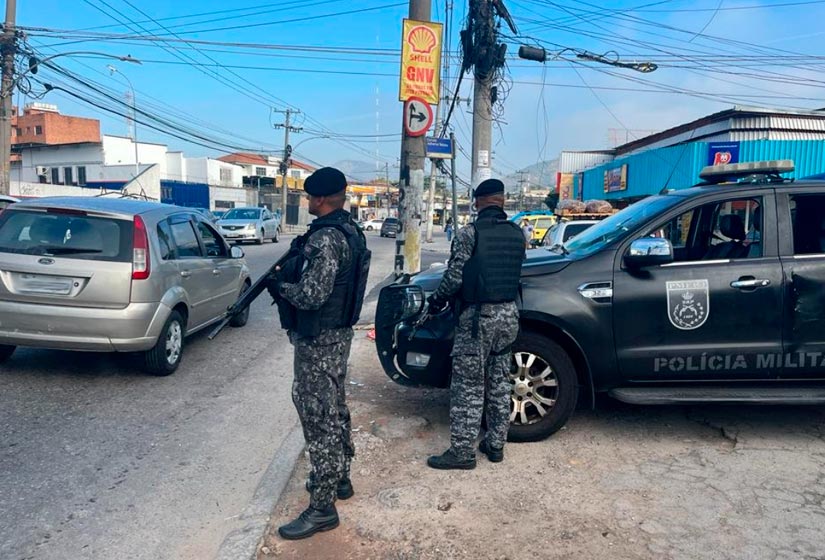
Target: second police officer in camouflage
x=319, y=294
x=483, y=275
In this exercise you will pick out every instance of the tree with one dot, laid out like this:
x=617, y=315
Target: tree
x=552, y=200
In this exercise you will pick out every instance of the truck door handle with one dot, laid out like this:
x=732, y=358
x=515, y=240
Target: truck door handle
x=185, y=273
x=750, y=283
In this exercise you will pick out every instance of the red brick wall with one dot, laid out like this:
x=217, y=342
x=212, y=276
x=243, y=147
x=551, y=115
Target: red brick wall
x=55, y=128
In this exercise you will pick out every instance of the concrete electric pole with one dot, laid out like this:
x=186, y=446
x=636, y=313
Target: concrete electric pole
x=484, y=41
x=411, y=185
x=8, y=48
x=284, y=166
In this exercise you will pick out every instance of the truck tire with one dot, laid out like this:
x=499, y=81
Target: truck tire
x=545, y=388
x=164, y=358
x=5, y=352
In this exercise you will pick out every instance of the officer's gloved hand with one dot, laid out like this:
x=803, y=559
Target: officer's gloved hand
x=273, y=285
x=436, y=304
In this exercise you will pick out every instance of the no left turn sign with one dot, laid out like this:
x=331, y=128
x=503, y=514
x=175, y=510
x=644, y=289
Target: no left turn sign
x=418, y=116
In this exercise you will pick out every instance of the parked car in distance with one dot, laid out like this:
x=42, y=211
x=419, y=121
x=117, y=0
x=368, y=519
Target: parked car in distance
x=113, y=275
x=375, y=223
x=6, y=201
x=250, y=224
x=565, y=230
x=389, y=228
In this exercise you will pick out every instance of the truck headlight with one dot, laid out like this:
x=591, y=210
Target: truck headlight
x=412, y=302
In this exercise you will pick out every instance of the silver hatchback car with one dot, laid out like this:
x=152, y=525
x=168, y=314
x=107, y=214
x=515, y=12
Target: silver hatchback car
x=113, y=275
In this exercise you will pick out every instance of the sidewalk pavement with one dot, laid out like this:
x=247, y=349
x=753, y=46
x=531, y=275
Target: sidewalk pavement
x=620, y=482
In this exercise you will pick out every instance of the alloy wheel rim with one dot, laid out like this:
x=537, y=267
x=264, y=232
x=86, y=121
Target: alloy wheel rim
x=174, y=342
x=535, y=388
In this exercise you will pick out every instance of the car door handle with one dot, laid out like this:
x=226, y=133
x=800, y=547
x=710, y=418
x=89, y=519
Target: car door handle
x=185, y=273
x=750, y=283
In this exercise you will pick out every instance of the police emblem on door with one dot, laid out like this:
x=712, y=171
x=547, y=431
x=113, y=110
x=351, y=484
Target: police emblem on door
x=688, y=303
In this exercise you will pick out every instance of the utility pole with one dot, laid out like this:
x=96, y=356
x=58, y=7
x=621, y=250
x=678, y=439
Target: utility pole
x=411, y=185
x=433, y=179
x=284, y=166
x=484, y=41
x=521, y=187
x=8, y=48
x=455, y=195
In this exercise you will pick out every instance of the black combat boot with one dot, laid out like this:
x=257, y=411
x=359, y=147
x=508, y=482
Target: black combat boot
x=311, y=521
x=493, y=454
x=343, y=491
x=448, y=460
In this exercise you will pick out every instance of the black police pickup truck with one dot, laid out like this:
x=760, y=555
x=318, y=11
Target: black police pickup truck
x=710, y=294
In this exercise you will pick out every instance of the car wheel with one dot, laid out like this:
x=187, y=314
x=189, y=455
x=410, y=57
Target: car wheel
x=260, y=240
x=240, y=319
x=277, y=235
x=165, y=357
x=545, y=388
x=5, y=352
x=369, y=228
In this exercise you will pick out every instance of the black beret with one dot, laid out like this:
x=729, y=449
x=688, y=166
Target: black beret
x=325, y=181
x=488, y=187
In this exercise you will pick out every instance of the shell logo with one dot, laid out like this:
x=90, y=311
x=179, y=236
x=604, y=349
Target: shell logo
x=422, y=40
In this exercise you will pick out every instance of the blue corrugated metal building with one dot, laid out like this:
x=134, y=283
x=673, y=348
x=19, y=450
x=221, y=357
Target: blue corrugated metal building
x=674, y=158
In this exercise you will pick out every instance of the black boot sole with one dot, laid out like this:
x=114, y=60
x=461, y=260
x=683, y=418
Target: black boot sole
x=451, y=466
x=319, y=529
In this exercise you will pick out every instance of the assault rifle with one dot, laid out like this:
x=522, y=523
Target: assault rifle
x=248, y=296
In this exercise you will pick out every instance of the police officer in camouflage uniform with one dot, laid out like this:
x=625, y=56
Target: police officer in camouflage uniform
x=319, y=294
x=483, y=275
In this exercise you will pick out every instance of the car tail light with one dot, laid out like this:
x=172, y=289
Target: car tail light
x=140, y=248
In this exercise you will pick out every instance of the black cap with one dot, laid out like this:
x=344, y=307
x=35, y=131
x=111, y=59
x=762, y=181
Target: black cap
x=488, y=187
x=325, y=181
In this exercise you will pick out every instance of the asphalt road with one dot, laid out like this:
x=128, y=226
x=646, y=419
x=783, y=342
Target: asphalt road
x=100, y=460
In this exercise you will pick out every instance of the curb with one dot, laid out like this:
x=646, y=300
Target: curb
x=243, y=542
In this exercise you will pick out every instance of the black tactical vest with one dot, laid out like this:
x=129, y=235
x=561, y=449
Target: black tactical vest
x=493, y=273
x=343, y=307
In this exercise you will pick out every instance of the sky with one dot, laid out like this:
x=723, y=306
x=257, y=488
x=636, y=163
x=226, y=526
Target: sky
x=337, y=61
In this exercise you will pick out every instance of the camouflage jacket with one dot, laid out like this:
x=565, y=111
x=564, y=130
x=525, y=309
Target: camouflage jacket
x=461, y=251
x=325, y=253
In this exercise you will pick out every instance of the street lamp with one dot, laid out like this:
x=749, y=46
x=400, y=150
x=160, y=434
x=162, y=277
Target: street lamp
x=113, y=70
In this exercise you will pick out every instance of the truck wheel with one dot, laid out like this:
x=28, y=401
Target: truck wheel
x=5, y=352
x=240, y=319
x=164, y=357
x=545, y=388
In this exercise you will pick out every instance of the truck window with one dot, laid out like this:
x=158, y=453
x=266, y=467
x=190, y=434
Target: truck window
x=730, y=229
x=808, y=219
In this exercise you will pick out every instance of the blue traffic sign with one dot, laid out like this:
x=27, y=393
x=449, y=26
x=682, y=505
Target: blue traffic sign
x=439, y=148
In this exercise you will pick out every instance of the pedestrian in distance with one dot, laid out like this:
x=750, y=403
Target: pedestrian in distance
x=449, y=229
x=527, y=230
x=482, y=278
x=319, y=293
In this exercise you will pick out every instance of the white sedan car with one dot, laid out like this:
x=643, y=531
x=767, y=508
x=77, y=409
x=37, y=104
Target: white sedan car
x=374, y=224
x=250, y=224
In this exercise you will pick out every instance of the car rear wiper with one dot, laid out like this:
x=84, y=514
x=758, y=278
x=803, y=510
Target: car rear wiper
x=68, y=250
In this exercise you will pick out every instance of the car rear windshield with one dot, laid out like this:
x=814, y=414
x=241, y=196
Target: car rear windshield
x=391, y=221
x=242, y=214
x=70, y=236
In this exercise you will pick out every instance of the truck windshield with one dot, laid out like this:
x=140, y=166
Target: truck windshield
x=619, y=225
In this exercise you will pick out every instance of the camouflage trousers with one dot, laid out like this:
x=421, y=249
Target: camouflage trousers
x=481, y=376
x=319, y=394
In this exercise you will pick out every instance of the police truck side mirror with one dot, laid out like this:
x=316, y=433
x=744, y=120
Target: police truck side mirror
x=648, y=251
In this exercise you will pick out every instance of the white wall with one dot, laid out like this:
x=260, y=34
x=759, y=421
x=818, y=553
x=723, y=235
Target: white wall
x=118, y=150
x=89, y=156
x=235, y=178
x=237, y=196
x=175, y=166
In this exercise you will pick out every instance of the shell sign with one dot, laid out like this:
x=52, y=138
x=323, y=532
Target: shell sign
x=421, y=61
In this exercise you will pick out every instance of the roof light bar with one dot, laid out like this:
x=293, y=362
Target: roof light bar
x=733, y=170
